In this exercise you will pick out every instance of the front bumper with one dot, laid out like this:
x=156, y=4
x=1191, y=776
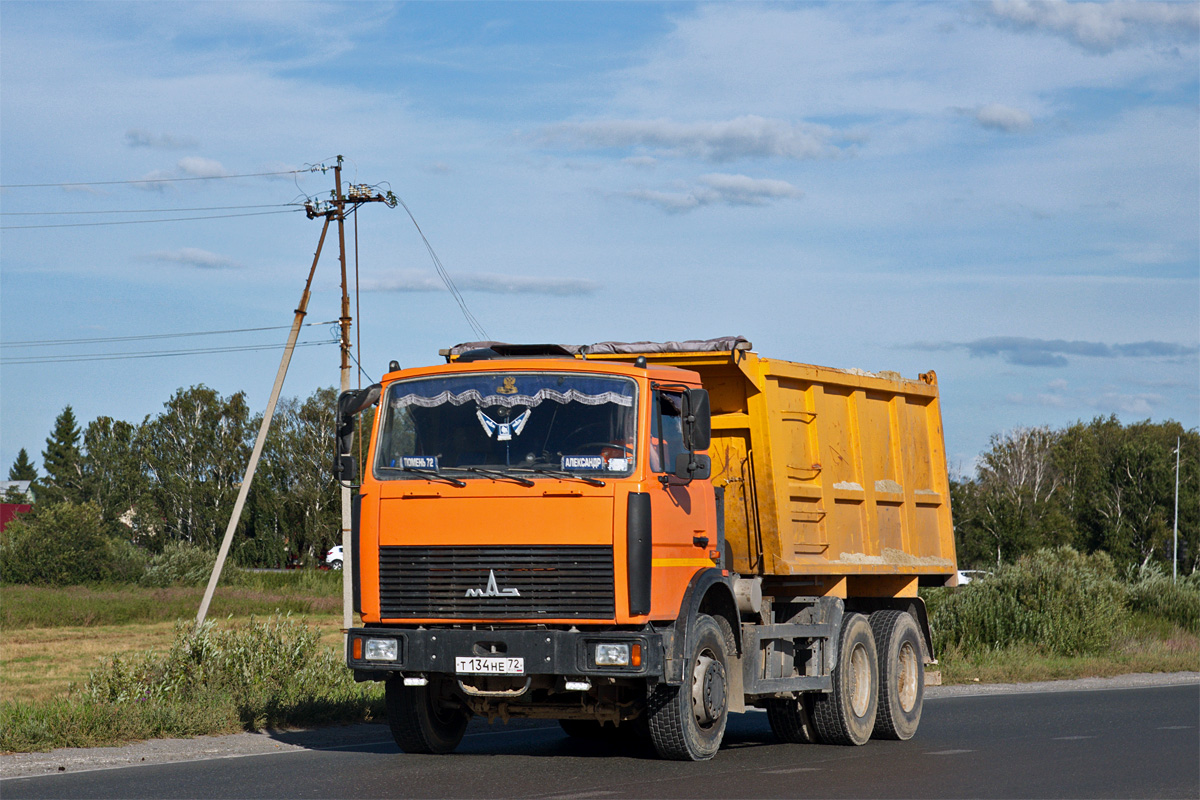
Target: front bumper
x=545, y=652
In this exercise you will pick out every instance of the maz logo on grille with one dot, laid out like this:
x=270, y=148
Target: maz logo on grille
x=492, y=589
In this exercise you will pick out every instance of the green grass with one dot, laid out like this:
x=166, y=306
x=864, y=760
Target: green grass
x=1157, y=648
x=249, y=593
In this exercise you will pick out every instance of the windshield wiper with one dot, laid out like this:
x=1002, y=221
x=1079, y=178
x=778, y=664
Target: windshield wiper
x=562, y=473
x=491, y=473
x=428, y=473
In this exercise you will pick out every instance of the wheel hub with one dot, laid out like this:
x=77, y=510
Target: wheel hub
x=708, y=690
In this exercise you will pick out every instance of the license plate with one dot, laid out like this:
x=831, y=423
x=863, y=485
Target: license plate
x=474, y=665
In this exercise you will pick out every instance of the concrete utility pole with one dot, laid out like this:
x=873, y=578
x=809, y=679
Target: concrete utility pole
x=357, y=195
x=1175, y=560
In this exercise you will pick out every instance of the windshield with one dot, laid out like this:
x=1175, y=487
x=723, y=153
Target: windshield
x=519, y=422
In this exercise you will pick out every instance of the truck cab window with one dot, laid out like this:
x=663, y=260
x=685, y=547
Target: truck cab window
x=667, y=431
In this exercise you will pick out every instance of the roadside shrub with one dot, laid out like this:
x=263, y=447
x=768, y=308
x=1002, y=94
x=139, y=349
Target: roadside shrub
x=1059, y=601
x=265, y=673
x=180, y=564
x=66, y=544
x=1152, y=592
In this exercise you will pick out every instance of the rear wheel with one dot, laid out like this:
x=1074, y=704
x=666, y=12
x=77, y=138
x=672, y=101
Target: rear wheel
x=425, y=719
x=902, y=674
x=847, y=714
x=687, y=722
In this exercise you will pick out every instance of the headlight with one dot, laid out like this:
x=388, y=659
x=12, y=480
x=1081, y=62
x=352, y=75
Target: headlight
x=381, y=650
x=612, y=655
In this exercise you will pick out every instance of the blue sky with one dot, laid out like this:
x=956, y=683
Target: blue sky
x=1007, y=192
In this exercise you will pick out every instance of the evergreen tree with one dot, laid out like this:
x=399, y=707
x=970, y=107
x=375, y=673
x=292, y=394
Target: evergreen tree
x=22, y=469
x=62, y=461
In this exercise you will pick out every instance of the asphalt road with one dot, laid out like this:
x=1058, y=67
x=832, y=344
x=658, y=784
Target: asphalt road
x=1126, y=743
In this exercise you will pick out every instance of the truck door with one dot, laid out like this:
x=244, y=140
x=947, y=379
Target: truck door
x=682, y=512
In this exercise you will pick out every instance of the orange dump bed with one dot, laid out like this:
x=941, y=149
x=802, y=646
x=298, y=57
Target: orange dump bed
x=827, y=472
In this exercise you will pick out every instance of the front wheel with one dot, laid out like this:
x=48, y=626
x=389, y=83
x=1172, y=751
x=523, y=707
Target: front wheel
x=335, y=564
x=425, y=719
x=687, y=722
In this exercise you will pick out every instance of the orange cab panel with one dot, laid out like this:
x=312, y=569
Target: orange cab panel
x=533, y=558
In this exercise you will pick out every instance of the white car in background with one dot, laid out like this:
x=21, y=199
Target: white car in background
x=965, y=576
x=334, y=557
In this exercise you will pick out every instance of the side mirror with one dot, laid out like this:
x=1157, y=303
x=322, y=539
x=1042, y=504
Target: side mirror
x=693, y=466
x=345, y=469
x=350, y=404
x=697, y=420
x=354, y=401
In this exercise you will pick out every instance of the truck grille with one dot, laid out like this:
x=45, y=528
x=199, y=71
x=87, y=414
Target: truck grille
x=551, y=582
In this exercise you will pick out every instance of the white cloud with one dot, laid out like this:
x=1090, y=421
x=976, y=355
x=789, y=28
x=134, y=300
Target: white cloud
x=155, y=181
x=1101, y=27
x=192, y=257
x=1003, y=118
x=1138, y=404
x=197, y=167
x=743, y=137
x=409, y=281
x=719, y=188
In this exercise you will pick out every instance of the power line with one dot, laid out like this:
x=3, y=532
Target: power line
x=141, y=210
x=160, y=180
x=67, y=359
x=360, y=367
x=446, y=279
x=147, y=336
x=143, y=221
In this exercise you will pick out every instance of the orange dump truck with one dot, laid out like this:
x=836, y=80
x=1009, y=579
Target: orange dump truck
x=644, y=538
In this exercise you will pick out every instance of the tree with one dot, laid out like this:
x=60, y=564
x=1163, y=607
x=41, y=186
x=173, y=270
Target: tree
x=113, y=475
x=296, y=501
x=22, y=469
x=195, y=453
x=1012, y=506
x=1123, y=487
x=65, y=544
x=62, y=462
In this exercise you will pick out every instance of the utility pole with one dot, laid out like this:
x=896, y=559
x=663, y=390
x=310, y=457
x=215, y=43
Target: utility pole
x=355, y=196
x=1175, y=560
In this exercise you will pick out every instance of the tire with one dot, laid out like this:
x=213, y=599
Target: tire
x=846, y=715
x=335, y=564
x=902, y=674
x=791, y=719
x=420, y=723
x=687, y=722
